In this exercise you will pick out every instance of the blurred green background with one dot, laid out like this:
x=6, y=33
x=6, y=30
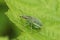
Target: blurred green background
x=3, y=19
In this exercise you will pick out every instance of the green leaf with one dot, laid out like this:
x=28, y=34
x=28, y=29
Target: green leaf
x=48, y=11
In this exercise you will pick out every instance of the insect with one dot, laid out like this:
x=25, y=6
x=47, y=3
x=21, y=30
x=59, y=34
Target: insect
x=34, y=22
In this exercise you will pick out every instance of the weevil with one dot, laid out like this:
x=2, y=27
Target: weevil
x=34, y=22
